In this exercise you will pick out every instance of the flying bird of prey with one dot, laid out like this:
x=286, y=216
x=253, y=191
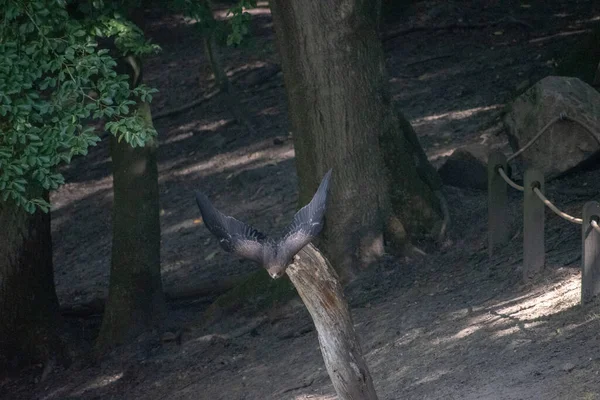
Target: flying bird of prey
x=273, y=254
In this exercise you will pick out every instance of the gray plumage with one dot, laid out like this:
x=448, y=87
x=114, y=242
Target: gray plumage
x=247, y=242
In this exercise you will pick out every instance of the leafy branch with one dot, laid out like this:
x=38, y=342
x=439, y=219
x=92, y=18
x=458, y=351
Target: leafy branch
x=55, y=82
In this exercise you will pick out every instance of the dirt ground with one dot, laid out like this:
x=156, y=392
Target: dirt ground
x=451, y=325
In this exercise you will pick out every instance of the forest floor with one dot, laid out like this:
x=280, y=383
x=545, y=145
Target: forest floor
x=451, y=325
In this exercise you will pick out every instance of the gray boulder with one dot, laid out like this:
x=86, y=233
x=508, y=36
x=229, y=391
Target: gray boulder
x=565, y=144
x=466, y=167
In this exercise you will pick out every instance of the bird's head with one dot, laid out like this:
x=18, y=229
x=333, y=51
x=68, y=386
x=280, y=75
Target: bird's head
x=275, y=270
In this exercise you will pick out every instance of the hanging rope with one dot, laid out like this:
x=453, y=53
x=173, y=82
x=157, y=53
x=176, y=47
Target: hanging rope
x=508, y=180
x=555, y=209
x=561, y=117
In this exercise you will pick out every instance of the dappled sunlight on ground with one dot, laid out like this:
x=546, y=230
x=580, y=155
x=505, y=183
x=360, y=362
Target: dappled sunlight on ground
x=550, y=299
x=451, y=325
x=558, y=35
x=74, y=192
x=460, y=339
x=238, y=160
x=454, y=115
x=98, y=383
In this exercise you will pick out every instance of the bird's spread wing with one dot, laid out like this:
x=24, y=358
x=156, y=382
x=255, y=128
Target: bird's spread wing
x=307, y=223
x=234, y=236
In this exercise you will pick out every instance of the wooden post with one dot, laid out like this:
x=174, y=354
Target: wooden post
x=498, y=223
x=590, y=260
x=322, y=294
x=533, y=224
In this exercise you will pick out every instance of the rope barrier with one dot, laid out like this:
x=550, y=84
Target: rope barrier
x=595, y=226
x=536, y=137
x=561, y=117
x=542, y=197
x=548, y=203
x=508, y=180
x=534, y=252
x=555, y=209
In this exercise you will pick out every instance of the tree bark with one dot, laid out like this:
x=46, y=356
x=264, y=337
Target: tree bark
x=29, y=316
x=135, y=301
x=342, y=116
x=322, y=294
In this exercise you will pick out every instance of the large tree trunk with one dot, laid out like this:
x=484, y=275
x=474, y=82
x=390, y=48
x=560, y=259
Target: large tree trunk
x=28, y=304
x=342, y=117
x=135, y=301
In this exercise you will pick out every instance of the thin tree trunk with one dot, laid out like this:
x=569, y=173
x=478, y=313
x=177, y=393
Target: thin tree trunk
x=342, y=116
x=211, y=51
x=135, y=300
x=323, y=295
x=29, y=316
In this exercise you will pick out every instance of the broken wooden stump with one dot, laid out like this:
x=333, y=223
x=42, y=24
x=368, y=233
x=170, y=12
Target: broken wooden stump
x=322, y=293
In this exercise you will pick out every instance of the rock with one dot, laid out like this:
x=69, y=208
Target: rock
x=466, y=167
x=568, y=367
x=565, y=144
x=279, y=140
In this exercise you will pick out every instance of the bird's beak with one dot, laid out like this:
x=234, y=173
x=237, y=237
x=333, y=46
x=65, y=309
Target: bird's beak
x=276, y=275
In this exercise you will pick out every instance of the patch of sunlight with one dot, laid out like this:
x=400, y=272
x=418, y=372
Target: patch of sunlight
x=475, y=323
x=409, y=337
x=270, y=111
x=73, y=192
x=98, y=383
x=549, y=300
x=239, y=159
x=432, y=377
x=557, y=35
x=191, y=128
x=468, y=331
x=455, y=115
x=511, y=330
x=187, y=224
x=173, y=266
x=262, y=8
x=509, y=301
x=250, y=66
x=259, y=10
x=398, y=372
x=555, y=297
x=442, y=153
